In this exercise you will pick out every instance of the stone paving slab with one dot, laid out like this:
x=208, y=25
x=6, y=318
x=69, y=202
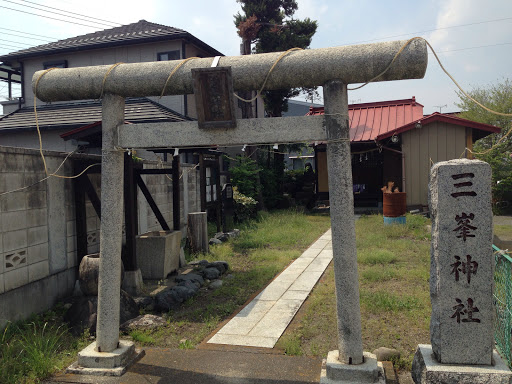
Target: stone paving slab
x=263, y=320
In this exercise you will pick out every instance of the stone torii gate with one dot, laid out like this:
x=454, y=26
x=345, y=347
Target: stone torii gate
x=332, y=68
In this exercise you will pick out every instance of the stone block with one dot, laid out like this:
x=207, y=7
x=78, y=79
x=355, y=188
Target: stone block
x=132, y=282
x=462, y=262
x=115, y=363
x=37, y=253
x=72, y=259
x=15, y=201
x=15, y=259
x=2, y=261
x=1, y=283
x=15, y=240
x=426, y=370
x=12, y=221
x=36, y=199
x=38, y=271
x=1, y=245
x=37, y=217
x=158, y=253
x=71, y=243
x=367, y=372
x=15, y=278
x=34, y=179
x=71, y=227
x=37, y=235
x=11, y=162
x=11, y=181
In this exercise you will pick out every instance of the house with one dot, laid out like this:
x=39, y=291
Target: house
x=394, y=141
x=137, y=42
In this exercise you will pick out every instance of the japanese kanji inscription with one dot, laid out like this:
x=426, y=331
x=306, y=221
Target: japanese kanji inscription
x=461, y=281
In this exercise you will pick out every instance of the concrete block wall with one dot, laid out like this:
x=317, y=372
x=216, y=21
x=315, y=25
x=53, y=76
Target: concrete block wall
x=38, y=256
x=33, y=232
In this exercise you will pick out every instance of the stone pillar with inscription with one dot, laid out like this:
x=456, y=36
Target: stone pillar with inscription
x=461, y=279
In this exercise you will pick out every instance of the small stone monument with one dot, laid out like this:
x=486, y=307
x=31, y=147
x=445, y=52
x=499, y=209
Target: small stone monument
x=461, y=279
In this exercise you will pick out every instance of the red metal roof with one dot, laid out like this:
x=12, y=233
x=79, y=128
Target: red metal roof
x=446, y=118
x=369, y=120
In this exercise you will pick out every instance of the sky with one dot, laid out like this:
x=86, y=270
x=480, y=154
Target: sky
x=472, y=37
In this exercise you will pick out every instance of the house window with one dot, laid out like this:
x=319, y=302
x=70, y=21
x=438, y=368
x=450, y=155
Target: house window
x=55, y=64
x=171, y=55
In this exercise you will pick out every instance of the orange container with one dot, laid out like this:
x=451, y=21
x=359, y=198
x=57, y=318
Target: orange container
x=393, y=204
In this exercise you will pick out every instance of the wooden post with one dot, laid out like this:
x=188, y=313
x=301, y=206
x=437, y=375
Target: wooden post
x=80, y=216
x=202, y=182
x=197, y=232
x=176, y=214
x=219, y=195
x=130, y=214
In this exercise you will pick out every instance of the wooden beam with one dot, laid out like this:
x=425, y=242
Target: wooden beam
x=176, y=197
x=202, y=182
x=130, y=214
x=86, y=184
x=248, y=131
x=80, y=217
x=152, y=203
x=164, y=171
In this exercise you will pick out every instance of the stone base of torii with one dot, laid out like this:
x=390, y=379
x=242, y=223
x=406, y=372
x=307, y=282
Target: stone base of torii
x=332, y=68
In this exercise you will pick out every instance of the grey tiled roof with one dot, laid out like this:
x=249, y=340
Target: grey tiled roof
x=140, y=32
x=75, y=115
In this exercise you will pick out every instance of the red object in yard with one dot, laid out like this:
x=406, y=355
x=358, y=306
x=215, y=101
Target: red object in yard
x=393, y=204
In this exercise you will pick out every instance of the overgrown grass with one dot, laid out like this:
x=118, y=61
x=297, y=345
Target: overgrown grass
x=264, y=248
x=393, y=265
x=32, y=350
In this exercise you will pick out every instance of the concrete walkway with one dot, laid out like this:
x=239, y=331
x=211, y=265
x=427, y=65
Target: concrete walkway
x=264, y=319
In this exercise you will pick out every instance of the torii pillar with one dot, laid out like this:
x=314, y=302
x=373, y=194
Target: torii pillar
x=333, y=68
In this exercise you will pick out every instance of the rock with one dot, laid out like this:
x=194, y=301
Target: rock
x=211, y=273
x=82, y=313
x=189, y=284
x=166, y=300
x=144, y=301
x=386, y=354
x=195, y=278
x=171, y=298
x=234, y=233
x=143, y=322
x=184, y=293
x=200, y=263
x=222, y=236
x=213, y=241
x=229, y=277
x=216, y=284
x=222, y=266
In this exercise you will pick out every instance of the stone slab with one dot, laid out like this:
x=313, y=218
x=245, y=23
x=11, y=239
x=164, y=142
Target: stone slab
x=306, y=282
x=246, y=341
x=370, y=371
x=274, y=290
x=426, y=370
x=462, y=262
x=115, y=363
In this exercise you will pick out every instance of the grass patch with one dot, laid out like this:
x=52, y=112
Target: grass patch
x=142, y=337
x=503, y=231
x=393, y=265
x=385, y=301
x=32, y=350
x=374, y=256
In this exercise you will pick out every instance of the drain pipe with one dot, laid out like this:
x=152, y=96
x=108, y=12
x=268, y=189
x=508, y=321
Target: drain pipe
x=403, y=163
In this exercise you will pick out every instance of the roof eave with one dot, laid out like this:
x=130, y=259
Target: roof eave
x=9, y=58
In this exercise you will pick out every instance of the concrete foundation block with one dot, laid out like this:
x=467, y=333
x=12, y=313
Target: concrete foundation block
x=158, y=253
x=132, y=282
x=426, y=370
x=335, y=372
x=115, y=363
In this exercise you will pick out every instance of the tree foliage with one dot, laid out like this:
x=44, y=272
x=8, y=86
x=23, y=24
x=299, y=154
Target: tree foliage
x=497, y=97
x=276, y=31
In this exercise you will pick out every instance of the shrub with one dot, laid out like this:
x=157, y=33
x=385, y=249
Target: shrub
x=245, y=206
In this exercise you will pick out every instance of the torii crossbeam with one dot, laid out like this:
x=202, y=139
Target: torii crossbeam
x=332, y=68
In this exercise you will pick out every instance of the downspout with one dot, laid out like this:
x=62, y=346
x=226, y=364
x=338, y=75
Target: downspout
x=403, y=163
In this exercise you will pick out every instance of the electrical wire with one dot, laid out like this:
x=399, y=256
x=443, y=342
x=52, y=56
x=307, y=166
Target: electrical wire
x=49, y=17
x=26, y=33
x=60, y=14
x=25, y=37
x=17, y=42
x=431, y=30
x=73, y=13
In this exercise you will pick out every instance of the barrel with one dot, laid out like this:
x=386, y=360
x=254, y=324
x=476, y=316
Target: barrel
x=393, y=204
